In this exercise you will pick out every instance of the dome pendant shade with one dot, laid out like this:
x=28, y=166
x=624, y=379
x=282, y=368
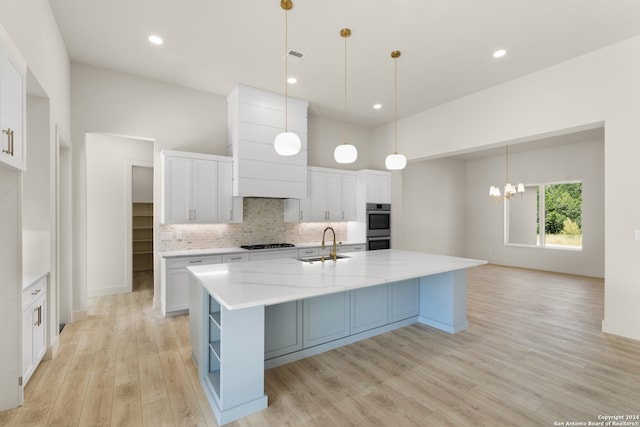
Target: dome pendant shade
x=287, y=144
x=395, y=161
x=345, y=153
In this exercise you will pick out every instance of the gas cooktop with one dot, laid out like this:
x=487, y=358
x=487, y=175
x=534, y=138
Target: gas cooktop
x=268, y=246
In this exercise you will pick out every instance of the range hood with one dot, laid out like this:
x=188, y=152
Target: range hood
x=255, y=117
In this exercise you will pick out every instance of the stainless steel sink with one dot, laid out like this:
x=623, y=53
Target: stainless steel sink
x=319, y=259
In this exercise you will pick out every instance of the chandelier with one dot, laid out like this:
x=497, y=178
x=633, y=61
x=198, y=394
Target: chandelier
x=510, y=190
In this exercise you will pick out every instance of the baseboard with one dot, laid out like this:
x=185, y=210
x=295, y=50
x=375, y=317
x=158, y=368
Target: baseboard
x=312, y=351
x=103, y=292
x=624, y=330
x=78, y=315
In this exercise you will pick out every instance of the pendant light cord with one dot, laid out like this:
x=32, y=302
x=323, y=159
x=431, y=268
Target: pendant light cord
x=344, y=125
x=286, y=70
x=395, y=89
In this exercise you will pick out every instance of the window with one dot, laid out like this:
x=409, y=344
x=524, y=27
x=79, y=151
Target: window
x=547, y=215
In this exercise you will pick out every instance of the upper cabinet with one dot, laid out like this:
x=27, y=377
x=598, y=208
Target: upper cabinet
x=255, y=117
x=332, y=197
x=196, y=188
x=13, y=150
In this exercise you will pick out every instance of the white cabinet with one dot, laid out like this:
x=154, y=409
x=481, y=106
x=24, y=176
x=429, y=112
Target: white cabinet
x=373, y=186
x=197, y=189
x=174, y=297
x=13, y=150
x=332, y=197
x=34, y=326
x=286, y=253
x=325, y=196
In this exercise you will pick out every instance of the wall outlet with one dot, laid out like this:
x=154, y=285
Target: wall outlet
x=178, y=235
x=637, y=234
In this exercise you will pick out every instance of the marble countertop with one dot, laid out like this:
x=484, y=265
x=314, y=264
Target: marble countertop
x=225, y=251
x=269, y=282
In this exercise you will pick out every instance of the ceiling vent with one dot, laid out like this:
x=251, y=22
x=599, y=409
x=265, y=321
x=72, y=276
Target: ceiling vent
x=294, y=56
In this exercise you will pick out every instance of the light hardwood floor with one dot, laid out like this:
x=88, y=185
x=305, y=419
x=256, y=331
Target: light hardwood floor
x=533, y=355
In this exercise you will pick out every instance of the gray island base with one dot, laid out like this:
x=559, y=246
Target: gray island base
x=248, y=317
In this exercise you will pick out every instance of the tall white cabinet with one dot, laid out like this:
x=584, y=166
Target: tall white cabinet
x=13, y=85
x=197, y=189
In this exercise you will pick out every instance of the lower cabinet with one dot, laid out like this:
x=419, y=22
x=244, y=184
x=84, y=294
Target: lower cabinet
x=175, y=281
x=369, y=308
x=283, y=329
x=298, y=325
x=325, y=318
x=404, y=299
x=34, y=327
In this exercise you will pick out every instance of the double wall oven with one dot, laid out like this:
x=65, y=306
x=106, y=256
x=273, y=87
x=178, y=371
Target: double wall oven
x=378, y=226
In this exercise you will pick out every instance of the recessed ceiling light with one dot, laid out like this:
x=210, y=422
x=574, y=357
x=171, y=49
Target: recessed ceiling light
x=157, y=40
x=292, y=80
x=499, y=53
x=377, y=106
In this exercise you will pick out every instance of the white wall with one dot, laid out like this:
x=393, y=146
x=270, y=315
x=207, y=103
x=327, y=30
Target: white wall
x=142, y=186
x=601, y=86
x=434, y=205
x=36, y=201
x=109, y=161
x=485, y=218
x=323, y=135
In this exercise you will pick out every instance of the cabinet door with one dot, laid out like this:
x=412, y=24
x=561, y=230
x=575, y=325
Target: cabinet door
x=404, y=299
x=378, y=188
x=204, y=203
x=317, y=196
x=40, y=329
x=326, y=318
x=225, y=192
x=333, y=196
x=12, y=112
x=282, y=329
x=177, y=290
x=369, y=308
x=348, y=195
x=176, y=198
x=27, y=342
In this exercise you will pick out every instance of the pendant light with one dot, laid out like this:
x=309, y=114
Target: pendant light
x=395, y=161
x=345, y=153
x=286, y=143
x=510, y=190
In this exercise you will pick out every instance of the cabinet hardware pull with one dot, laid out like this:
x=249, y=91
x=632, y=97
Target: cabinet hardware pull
x=230, y=215
x=36, y=292
x=195, y=262
x=194, y=214
x=39, y=321
x=9, y=133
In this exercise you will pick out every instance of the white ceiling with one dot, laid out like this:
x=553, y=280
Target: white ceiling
x=446, y=45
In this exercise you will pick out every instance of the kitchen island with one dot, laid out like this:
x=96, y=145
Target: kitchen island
x=286, y=309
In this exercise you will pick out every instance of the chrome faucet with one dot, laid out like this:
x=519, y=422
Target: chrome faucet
x=332, y=253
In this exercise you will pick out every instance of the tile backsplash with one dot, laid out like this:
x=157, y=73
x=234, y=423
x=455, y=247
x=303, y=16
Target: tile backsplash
x=262, y=223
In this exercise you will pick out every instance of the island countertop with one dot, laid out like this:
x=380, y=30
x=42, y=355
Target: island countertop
x=268, y=282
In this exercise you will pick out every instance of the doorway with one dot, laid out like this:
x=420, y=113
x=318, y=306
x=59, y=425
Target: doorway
x=141, y=226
